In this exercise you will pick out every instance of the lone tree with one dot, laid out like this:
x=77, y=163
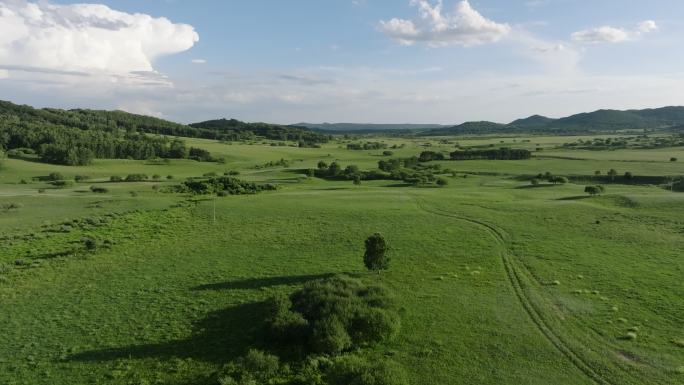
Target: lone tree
x=612, y=173
x=376, y=258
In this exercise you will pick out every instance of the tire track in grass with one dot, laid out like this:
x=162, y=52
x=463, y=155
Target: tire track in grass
x=514, y=278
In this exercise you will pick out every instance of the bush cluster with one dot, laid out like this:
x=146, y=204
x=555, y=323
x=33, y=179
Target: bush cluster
x=334, y=315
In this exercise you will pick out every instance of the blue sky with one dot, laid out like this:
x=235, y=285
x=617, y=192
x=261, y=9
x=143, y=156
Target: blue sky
x=344, y=60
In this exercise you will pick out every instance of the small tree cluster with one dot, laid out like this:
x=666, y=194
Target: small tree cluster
x=334, y=315
x=549, y=177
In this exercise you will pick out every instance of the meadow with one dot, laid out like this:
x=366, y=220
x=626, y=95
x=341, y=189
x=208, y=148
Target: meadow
x=498, y=281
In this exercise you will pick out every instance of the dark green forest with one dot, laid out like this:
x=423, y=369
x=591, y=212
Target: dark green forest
x=76, y=137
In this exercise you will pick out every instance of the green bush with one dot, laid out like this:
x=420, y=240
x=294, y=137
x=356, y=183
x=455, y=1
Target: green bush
x=136, y=178
x=334, y=315
x=355, y=370
x=115, y=178
x=62, y=183
x=329, y=336
x=54, y=176
x=11, y=206
x=98, y=190
x=256, y=367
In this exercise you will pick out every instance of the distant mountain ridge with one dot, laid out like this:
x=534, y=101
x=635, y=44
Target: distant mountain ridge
x=587, y=122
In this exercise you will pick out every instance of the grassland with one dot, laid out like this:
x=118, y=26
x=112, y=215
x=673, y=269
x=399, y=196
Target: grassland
x=498, y=282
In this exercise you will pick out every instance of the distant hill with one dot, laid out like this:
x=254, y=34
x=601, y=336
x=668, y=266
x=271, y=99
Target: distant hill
x=588, y=122
x=367, y=127
x=469, y=128
x=532, y=121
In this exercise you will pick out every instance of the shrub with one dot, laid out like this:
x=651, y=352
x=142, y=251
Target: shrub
x=54, y=176
x=136, y=178
x=333, y=315
x=156, y=177
x=23, y=181
x=98, y=190
x=89, y=243
x=11, y=206
x=673, y=159
x=534, y=182
x=81, y=178
x=355, y=370
x=256, y=367
x=62, y=183
x=388, y=153
x=329, y=336
x=441, y=182
x=169, y=177
x=115, y=178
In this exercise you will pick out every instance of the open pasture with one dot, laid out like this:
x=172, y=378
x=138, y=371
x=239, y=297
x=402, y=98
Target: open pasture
x=497, y=281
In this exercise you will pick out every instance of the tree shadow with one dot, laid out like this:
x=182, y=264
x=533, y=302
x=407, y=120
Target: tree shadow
x=256, y=283
x=574, y=198
x=220, y=337
x=536, y=186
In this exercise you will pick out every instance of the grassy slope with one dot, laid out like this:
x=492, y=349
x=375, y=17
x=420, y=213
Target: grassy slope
x=177, y=295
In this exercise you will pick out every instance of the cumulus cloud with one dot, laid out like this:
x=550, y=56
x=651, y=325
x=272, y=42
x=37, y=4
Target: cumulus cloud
x=199, y=61
x=608, y=34
x=86, y=38
x=463, y=26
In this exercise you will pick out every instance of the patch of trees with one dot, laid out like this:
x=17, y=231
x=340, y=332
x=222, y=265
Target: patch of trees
x=549, y=177
x=631, y=142
x=223, y=185
x=277, y=163
x=367, y=146
x=428, y=156
x=503, y=153
x=334, y=315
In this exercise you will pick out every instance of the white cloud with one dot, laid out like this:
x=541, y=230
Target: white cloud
x=607, y=34
x=464, y=26
x=647, y=26
x=86, y=38
x=199, y=61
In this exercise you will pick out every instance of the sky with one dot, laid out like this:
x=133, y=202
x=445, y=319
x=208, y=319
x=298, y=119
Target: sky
x=360, y=61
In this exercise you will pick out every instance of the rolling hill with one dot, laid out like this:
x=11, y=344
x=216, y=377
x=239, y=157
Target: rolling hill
x=588, y=122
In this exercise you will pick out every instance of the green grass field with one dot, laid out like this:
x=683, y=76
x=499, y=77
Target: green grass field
x=498, y=282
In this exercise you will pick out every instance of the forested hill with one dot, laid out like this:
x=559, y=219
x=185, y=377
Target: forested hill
x=231, y=129
x=75, y=137
x=590, y=122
